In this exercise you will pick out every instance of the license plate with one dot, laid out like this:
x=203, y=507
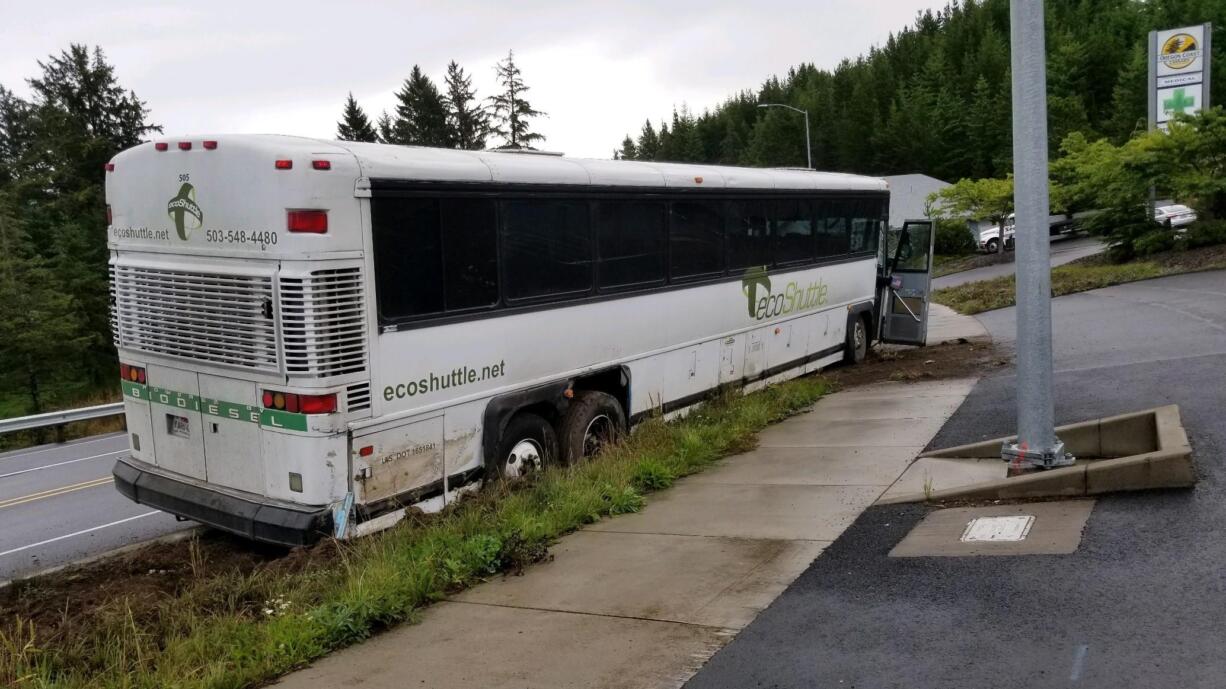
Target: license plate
x=177, y=425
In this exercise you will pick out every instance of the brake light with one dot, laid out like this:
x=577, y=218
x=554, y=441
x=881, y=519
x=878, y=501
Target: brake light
x=314, y=222
x=299, y=404
x=321, y=164
x=284, y=165
x=210, y=145
x=135, y=374
x=109, y=167
x=185, y=145
x=161, y=146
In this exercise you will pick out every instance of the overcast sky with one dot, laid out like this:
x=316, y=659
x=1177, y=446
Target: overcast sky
x=597, y=69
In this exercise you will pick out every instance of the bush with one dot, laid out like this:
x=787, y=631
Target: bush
x=954, y=238
x=1205, y=233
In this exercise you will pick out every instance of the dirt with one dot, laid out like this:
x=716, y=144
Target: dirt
x=970, y=262
x=907, y=364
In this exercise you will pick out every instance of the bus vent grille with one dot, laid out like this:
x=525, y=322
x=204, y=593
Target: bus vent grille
x=358, y=396
x=219, y=318
x=323, y=323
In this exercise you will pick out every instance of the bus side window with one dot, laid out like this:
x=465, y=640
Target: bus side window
x=547, y=248
x=631, y=241
x=791, y=230
x=470, y=253
x=748, y=244
x=696, y=239
x=833, y=237
x=408, y=256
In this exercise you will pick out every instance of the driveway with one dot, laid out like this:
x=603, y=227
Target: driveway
x=1138, y=605
x=1063, y=250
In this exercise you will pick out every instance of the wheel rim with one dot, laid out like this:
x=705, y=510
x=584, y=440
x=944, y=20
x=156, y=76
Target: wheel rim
x=524, y=458
x=599, y=432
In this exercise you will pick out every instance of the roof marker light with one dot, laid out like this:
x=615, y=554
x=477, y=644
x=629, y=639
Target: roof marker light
x=321, y=164
x=210, y=145
x=185, y=145
x=284, y=164
x=109, y=167
x=161, y=146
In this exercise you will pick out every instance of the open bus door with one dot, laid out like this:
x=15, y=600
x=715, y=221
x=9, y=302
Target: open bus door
x=906, y=283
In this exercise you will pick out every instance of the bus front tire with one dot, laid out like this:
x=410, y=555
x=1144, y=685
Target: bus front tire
x=527, y=447
x=856, y=347
x=592, y=421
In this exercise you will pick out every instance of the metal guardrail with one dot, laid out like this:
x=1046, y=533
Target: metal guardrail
x=59, y=418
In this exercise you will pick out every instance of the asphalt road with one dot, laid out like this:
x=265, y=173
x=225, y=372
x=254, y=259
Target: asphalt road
x=58, y=505
x=1063, y=250
x=1138, y=605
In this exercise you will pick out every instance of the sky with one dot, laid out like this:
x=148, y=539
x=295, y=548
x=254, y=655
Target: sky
x=597, y=69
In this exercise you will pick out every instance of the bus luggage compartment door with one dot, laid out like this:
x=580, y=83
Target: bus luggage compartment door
x=404, y=458
x=178, y=433
x=904, y=318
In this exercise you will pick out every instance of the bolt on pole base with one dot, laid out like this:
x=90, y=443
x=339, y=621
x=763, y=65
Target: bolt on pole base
x=1024, y=460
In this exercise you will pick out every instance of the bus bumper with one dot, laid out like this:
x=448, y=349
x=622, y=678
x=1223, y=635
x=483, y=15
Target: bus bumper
x=244, y=514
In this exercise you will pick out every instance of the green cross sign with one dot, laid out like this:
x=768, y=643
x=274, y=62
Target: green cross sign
x=1178, y=102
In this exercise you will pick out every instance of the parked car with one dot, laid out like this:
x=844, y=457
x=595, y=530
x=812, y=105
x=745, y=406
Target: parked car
x=1174, y=215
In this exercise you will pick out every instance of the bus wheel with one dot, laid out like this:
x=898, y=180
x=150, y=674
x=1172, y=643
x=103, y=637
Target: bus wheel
x=857, y=341
x=527, y=447
x=592, y=421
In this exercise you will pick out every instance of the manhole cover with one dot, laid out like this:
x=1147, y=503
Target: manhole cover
x=1012, y=528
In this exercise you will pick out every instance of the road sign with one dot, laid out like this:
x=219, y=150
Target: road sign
x=1178, y=72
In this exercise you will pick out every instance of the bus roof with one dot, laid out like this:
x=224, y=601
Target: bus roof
x=387, y=161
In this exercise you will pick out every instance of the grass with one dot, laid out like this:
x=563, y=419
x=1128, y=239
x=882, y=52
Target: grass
x=239, y=629
x=1080, y=276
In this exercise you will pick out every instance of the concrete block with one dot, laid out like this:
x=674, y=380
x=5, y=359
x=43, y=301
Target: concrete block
x=1129, y=434
x=1163, y=469
x=1056, y=530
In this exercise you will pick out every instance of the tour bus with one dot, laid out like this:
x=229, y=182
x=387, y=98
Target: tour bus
x=316, y=336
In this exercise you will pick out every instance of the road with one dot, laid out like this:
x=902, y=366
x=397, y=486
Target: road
x=1063, y=250
x=58, y=504
x=1138, y=605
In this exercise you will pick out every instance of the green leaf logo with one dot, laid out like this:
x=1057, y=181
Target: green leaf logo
x=755, y=277
x=183, y=210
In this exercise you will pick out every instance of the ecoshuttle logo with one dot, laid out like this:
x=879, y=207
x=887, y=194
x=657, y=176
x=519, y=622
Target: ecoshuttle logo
x=184, y=211
x=763, y=303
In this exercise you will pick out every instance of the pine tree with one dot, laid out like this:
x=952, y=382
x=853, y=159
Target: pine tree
x=649, y=142
x=511, y=111
x=354, y=124
x=628, y=151
x=387, y=129
x=421, y=116
x=469, y=122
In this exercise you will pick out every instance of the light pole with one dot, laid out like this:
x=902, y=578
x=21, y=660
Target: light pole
x=808, y=149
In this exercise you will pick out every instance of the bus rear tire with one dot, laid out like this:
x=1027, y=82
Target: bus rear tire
x=856, y=347
x=593, y=421
x=528, y=446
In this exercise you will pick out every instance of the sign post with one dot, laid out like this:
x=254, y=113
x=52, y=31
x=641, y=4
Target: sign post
x=1037, y=446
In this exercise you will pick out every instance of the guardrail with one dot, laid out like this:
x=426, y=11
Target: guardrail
x=59, y=418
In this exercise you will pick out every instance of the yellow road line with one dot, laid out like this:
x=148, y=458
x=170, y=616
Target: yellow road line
x=51, y=493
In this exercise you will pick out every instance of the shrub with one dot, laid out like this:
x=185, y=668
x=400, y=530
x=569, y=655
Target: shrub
x=954, y=238
x=1205, y=233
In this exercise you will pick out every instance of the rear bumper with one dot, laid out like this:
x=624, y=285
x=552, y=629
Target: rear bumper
x=246, y=515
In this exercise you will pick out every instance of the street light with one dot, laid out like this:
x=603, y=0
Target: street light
x=808, y=149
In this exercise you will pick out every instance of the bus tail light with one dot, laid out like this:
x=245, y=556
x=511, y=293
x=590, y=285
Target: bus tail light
x=321, y=164
x=313, y=222
x=135, y=374
x=299, y=404
x=284, y=165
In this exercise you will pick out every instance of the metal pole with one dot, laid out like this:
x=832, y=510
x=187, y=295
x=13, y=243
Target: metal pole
x=1037, y=446
x=808, y=148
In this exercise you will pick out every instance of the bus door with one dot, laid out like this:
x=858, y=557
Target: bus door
x=907, y=283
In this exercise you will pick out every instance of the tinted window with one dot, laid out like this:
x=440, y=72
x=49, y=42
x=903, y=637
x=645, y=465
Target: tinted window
x=408, y=256
x=547, y=248
x=866, y=223
x=631, y=238
x=470, y=253
x=833, y=228
x=791, y=229
x=747, y=239
x=696, y=239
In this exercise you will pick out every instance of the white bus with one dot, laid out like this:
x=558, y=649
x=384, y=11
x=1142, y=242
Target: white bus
x=315, y=336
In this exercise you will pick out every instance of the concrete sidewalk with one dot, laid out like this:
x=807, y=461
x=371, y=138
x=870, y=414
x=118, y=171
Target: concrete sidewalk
x=643, y=600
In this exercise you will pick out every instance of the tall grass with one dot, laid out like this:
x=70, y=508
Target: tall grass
x=240, y=629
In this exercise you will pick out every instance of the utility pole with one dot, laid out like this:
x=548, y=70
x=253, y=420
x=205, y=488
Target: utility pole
x=808, y=148
x=1037, y=446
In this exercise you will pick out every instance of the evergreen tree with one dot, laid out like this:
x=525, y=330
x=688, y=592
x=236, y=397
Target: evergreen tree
x=511, y=111
x=649, y=142
x=628, y=151
x=386, y=129
x=469, y=122
x=421, y=115
x=354, y=124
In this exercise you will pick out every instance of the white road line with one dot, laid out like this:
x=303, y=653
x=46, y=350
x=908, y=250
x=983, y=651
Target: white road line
x=15, y=454
x=60, y=464
x=79, y=533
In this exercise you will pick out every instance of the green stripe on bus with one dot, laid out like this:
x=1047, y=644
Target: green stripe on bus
x=266, y=418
